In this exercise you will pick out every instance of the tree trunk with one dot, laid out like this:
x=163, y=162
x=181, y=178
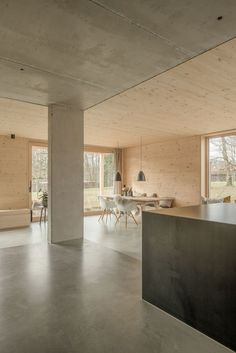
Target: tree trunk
x=229, y=179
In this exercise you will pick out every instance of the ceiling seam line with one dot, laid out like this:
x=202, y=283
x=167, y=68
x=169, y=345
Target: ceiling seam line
x=139, y=25
x=160, y=73
x=22, y=101
x=35, y=68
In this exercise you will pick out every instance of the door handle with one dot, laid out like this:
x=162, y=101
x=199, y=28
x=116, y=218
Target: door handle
x=30, y=186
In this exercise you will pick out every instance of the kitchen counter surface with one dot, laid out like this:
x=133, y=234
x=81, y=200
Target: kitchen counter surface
x=221, y=212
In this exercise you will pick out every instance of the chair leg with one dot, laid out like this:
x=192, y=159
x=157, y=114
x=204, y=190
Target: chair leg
x=113, y=212
x=106, y=214
x=132, y=216
x=126, y=219
x=41, y=215
x=118, y=218
x=101, y=216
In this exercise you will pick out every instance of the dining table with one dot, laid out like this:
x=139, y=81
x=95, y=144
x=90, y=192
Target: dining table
x=142, y=201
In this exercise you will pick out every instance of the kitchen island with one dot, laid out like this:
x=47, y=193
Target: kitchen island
x=189, y=266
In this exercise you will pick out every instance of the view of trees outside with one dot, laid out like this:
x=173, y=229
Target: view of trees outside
x=222, y=167
x=109, y=169
x=98, y=177
x=39, y=171
x=91, y=180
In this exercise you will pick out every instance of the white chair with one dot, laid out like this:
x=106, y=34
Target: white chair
x=108, y=207
x=125, y=208
x=38, y=206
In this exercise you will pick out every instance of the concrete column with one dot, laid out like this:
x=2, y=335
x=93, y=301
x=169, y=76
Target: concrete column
x=66, y=145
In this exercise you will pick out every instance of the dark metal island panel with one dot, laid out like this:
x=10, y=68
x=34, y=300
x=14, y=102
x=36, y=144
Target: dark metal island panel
x=189, y=267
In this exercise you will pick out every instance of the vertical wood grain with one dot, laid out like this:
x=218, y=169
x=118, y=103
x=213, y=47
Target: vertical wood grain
x=172, y=168
x=14, y=171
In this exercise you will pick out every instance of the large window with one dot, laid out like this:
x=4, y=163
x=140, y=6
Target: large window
x=39, y=171
x=222, y=166
x=39, y=176
x=108, y=173
x=98, y=178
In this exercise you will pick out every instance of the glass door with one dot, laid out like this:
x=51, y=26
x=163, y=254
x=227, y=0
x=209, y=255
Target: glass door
x=98, y=178
x=39, y=178
x=222, y=167
x=108, y=172
x=91, y=181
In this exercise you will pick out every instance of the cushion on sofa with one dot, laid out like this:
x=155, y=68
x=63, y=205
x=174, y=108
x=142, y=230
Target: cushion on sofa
x=165, y=203
x=227, y=199
x=208, y=201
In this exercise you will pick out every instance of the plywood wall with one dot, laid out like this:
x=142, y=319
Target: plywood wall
x=172, y=168
x=14, y=172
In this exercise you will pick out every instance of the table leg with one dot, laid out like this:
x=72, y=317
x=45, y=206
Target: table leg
x=45, y=213
x=41, y=215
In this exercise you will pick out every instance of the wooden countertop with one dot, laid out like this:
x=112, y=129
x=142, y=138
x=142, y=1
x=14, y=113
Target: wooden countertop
x=221, y=212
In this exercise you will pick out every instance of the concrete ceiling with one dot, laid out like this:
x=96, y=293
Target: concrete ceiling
x=195, y=98
x=87, y=50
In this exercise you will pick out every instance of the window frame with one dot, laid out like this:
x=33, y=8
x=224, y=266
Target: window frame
x=207, y=159
x=101, y=151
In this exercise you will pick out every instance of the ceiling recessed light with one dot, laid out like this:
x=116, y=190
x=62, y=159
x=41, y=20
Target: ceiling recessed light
x=219, y=18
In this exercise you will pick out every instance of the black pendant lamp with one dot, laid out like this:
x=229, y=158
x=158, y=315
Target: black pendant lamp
x=117, y=176
x=141, y=175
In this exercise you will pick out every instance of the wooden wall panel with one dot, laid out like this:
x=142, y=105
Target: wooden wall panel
x=172, y=168
x=14, y=173
x=195, y=98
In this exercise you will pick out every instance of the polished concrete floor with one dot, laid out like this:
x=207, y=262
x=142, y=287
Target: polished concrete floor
x=116, y=237
x=85, y=297
x=35, y=234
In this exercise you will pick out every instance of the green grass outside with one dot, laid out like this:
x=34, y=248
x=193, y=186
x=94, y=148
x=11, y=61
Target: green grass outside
x=91, y=197
x=219, y=189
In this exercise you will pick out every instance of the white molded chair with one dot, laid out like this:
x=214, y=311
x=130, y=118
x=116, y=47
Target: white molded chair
x=125, y=208
x=108, y=207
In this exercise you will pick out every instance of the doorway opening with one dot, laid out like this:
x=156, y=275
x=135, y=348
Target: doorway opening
x=38, y=184
x=98, y=178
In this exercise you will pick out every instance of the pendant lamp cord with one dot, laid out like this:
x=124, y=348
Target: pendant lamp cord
x=141, y=153
x=117, y=157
